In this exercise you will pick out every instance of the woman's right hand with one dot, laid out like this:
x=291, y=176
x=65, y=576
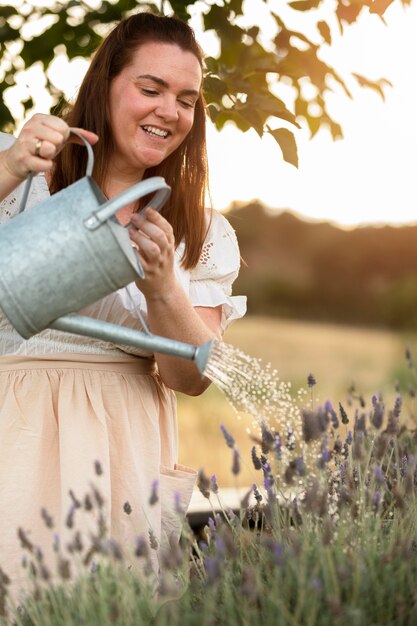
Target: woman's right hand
x=38, y=143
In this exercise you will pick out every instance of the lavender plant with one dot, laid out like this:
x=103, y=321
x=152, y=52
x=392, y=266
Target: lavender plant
x=325, y=536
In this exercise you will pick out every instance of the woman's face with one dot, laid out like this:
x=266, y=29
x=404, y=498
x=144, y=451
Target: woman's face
x=151, y=107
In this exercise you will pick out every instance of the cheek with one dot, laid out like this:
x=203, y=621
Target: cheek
x=187, y=125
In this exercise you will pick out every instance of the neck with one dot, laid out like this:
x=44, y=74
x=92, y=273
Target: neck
x=119, y=177
x=114, y=185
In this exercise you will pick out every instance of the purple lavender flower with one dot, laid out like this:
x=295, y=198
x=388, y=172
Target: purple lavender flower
x=343, y=414
x=236, y=462
x=177, y=503
x=256, y=493
x=376, y=500
x=278, y=554
x=278, y=446
x=220, y=545
x=230, y=442
x=316, y=584
x=314, y=423
x=379, y=475
x=153, y=541
x=255, y=459
x=213, y=484
x=409, y=357
x=333, y=417
x=300, y=467
x=153, y=499
x=213, y=569
x=267, y=439
x=311, y=381
x=377, y=415
x=360, y=423
x=203, y=483
x=397, y=406
x=141, y=547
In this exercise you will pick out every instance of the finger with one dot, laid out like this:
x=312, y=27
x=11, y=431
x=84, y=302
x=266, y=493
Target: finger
x=154, y=224
x=43, y=121
x=156, y=234
x=91, y=137
x=148, y=248
x=48, y=143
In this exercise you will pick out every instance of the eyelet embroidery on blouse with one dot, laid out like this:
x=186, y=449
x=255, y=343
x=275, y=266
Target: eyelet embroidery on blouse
x=8, y=208
x=205, y=257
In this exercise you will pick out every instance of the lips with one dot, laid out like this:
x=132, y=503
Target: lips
x=154, y=131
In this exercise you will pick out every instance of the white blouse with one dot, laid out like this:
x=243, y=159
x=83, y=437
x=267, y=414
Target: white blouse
x=209, y=284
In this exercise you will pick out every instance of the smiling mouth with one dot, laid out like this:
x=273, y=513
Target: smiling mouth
x=155, y=132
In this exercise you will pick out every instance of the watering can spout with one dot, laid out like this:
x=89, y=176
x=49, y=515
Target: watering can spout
x=202, y=355
x=90, y=327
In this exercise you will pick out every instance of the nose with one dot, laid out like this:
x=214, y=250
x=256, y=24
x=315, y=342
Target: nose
x=168, y=109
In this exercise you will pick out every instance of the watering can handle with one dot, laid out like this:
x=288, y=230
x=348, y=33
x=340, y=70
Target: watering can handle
x=88, y=172
x=143, y=188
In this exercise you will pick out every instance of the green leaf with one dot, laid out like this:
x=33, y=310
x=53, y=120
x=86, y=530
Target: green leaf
x=286, y=142
x=235, y=6
x=253, y=115
x=180, y=9
x=6, y=118
x=28, y=104
x=214, y=88
x=268, y=104
x=7, y=11
x=230, y=115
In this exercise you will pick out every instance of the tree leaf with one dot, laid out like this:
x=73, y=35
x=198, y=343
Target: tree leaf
x=305, y=5
x=377, y=85
x=214, y=88
x=380, y=6
x=324, y=30
x=235, y=6
x=286, y=141
x=348, y=12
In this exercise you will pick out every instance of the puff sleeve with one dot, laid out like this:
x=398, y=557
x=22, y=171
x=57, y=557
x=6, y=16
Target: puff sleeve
x=212, y=279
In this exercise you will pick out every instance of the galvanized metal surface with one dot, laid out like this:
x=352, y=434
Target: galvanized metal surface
x=51, y=264
x=121, y=335
x=70, y=252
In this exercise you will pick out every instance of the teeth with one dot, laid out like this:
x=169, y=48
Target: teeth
x=155, y=131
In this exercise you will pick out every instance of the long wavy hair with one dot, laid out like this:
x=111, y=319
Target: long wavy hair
x=185, y=170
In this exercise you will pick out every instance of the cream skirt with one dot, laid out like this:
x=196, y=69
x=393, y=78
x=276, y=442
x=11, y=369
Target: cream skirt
x=72, y=425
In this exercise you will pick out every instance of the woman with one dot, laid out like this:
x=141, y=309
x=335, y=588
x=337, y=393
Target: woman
x=68, y=401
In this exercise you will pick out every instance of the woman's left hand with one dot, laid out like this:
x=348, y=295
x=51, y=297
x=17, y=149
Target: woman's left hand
x=155, y=241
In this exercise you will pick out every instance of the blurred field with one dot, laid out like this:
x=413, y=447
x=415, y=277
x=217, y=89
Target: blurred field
x=337, y=356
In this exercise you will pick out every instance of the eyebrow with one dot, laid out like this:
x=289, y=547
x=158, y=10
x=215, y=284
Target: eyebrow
x=163, y=83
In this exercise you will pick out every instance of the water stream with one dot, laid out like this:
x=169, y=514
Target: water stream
x=254, y=388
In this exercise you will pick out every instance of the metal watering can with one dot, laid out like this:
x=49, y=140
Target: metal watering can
x=70, y=252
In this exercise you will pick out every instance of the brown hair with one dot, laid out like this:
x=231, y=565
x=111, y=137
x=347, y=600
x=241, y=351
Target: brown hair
x=185, y=170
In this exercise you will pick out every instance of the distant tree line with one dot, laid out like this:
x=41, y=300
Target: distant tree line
x=300, y=269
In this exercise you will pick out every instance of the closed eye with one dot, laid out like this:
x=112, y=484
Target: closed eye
x=150, y=92
x=187, y=104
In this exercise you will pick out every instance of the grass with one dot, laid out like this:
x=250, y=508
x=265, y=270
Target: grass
x=337, y=355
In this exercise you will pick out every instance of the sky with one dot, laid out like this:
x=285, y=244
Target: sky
x=366, y=178
x=370, y=175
